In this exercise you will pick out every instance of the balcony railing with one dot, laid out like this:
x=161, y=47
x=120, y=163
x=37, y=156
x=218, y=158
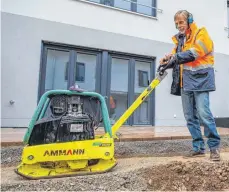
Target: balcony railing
x=143, y=7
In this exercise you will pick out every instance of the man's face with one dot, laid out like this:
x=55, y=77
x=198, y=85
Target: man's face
x=181, y=23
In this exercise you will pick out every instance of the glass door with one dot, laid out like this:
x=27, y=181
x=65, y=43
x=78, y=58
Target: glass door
x=85, y=70
x=119, y=78
x=142, y=80
x=56, y=74
x=64, y=67
x=119, y=88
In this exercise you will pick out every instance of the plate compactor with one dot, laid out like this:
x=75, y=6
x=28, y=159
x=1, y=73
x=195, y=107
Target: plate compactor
x=61, y=141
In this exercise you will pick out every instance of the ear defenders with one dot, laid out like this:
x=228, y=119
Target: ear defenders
x=190, y=18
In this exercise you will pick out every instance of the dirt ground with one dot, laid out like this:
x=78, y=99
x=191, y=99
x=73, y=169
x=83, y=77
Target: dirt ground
x=136, y=174
x=198, y=175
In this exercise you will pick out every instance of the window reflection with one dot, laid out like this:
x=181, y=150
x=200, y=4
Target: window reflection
x=55, y=70
x=119, y=88
x=142, y=74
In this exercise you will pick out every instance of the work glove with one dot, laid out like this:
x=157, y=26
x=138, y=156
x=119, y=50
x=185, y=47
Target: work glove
x=160, y=67
x=170, y=64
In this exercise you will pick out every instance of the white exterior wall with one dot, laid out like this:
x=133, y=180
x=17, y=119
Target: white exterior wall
x=22, y=84
x=209, y=13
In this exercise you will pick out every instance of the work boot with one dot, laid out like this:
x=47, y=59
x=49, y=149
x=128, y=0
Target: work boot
x=215, y=155
x=193, y=154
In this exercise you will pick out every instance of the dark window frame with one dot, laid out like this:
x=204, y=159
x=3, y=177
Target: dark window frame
x=141, y=82
x=76, y=71
x=77, y=75
x=66, y=71
x=103, y=72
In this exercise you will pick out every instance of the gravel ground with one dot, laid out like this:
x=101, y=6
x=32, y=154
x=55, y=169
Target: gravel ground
x=136, y=174
x=11, y=155
x=105, y=182
x=142, y=166
x=158, y=148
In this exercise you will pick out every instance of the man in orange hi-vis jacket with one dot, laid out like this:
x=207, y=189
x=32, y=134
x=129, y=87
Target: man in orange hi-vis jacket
x=192, y=60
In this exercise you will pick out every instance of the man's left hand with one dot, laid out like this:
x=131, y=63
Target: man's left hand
x=165, y=59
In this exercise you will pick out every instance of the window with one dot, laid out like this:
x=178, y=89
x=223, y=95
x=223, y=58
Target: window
x=85, y=75
x=119, y=77
x=129, y=78
x=96, y=1
x=104, y=2
x=63, y=67
x=55, y=64
x=142, y=73
x=123, y=4
x=119, y=88
x=107, y=2
x=66, y=71
x=142, y=78
x=145, y=7
x=79, y=74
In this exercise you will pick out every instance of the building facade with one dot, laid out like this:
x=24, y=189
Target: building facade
x=112, y=47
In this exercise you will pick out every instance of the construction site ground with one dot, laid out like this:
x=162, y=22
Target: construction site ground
x=153, y=164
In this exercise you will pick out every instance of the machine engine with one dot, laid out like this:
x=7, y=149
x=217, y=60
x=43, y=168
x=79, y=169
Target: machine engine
x=67, y=118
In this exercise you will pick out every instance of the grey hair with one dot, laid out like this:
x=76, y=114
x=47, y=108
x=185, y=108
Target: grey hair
x=183, y=13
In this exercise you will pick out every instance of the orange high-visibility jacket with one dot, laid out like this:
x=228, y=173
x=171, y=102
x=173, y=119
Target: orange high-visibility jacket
x=196, y=60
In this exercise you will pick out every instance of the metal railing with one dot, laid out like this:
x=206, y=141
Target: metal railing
x=110, y=5
x=160, y=10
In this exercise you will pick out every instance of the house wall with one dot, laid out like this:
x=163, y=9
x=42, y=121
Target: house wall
x=23, y=30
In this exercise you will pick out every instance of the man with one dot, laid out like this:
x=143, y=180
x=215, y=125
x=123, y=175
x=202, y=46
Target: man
x=192, y=61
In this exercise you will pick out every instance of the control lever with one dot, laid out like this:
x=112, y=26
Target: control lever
x=161, y=69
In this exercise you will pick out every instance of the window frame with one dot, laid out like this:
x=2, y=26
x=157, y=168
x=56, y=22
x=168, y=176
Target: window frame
x=80, y=64
x=141, y=79
x=66, y=71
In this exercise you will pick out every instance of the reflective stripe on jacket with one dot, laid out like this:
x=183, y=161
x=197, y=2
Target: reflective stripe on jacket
x=196, y=60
